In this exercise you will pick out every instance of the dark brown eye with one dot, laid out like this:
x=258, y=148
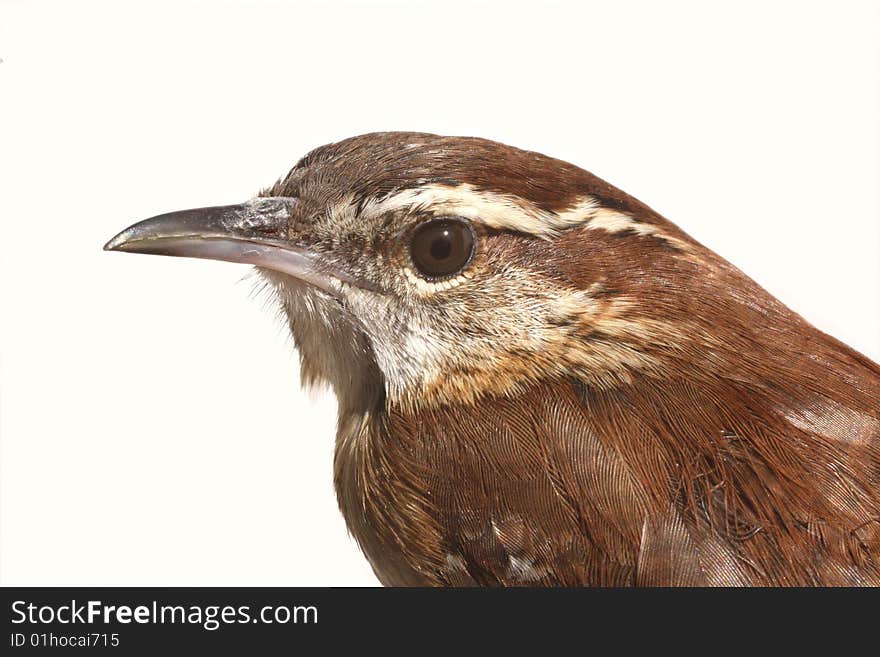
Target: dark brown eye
x=442, y=247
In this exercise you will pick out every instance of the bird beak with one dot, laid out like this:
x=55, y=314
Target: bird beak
x=250, y=233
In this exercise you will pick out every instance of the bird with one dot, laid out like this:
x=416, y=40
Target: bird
x=541, y=381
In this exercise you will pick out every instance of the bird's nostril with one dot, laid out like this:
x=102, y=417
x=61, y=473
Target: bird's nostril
x=270, y=231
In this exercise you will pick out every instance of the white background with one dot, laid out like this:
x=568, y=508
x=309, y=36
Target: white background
x=153, y=429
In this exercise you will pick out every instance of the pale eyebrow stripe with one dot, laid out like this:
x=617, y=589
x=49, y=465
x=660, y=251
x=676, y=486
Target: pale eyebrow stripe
x=508, y=212
x=494, y=209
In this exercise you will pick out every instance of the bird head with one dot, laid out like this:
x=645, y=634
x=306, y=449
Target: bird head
x=422, y=270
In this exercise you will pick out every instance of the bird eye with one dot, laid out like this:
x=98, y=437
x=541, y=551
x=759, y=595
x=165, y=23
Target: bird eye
x=442, y=247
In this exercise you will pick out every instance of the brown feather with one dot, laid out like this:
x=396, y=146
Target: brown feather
x=541, y=381
x=753, y=457
x=606, y=404
x=577, y=487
